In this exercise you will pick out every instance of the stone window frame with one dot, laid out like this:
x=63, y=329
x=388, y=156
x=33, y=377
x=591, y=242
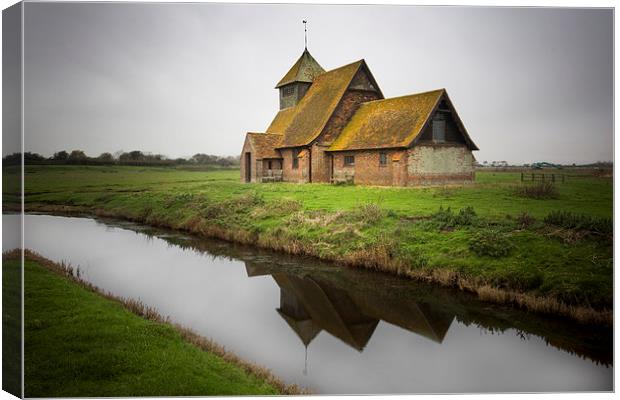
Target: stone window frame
x=349, y=161
x=383, y=159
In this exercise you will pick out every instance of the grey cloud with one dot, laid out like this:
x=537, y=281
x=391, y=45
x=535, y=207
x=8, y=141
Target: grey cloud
x=529, y=83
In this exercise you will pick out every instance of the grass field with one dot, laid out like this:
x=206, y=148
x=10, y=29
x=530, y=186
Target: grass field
x=80, y=344
x=504, y=242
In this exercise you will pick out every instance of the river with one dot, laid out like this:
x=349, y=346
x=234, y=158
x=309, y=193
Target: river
x=331, y=329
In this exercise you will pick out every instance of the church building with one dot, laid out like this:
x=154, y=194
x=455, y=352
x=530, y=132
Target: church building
x=336, y=126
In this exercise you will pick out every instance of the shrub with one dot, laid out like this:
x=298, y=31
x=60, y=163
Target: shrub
x=369, y=213
x=446, y=218
x=466, y=216
x=524, y=220
x=491, y=243
x=540, y=191
x=569, y=220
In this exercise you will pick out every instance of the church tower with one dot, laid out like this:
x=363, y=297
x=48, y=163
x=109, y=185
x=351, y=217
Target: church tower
x=298, y=79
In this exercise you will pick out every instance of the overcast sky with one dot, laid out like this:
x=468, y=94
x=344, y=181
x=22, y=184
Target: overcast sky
x=530, y=84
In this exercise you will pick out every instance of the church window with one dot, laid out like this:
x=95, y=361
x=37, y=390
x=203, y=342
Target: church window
x=287, y=91
x=295, y=158
x=382, y=159
x=349, y=160
x=439, y=129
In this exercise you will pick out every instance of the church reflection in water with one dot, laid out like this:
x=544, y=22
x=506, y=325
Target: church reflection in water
x=310, y=305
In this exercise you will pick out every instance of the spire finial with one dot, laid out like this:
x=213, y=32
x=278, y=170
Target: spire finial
x=305, y=34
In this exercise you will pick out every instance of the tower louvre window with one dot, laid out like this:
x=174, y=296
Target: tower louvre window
x=287, y=91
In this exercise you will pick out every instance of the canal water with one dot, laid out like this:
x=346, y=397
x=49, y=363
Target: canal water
x=328, y=328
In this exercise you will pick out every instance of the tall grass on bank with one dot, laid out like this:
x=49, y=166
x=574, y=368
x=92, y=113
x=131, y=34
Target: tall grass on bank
x=349, y=229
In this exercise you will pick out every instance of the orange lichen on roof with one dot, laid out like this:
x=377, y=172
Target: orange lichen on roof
x=281, y=121
x=304, y=70
x=318, y=104
x=264, y=144
x=389, y=123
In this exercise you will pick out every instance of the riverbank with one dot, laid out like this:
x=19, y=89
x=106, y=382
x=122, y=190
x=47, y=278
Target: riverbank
x=485, y=238
x=82, y=342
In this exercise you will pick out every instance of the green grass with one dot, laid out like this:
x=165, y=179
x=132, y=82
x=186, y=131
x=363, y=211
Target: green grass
x=79, y=344
x=12, y=329
x=345, y=223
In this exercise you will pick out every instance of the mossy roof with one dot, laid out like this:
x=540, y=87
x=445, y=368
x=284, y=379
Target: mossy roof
x=311, y=114
x=388, y=123
x=282, y=120
x=264, y=144
x=305, y=69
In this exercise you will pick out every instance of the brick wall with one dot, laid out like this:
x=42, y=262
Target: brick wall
x=247, y=148
x=348, y=105
x=289, y=174
x=321, y=164
x=275, y=164
x=367, y=169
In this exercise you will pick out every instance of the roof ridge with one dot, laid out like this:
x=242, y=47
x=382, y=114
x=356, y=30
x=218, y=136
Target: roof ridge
x=263, y=133
x=343, y=66
x=405, y=96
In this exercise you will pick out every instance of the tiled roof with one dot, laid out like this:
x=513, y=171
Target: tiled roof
x=306, y=69
x=388, y=123
x=265, y=144
x=281, y=121
x=317, y=106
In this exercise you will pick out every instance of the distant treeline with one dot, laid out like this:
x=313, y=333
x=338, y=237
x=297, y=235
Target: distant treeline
x=136, y=157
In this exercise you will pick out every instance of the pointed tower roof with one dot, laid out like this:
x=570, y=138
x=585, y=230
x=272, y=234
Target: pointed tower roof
x=304, y=70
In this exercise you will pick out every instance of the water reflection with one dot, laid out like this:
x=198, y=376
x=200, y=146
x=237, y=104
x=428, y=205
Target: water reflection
x=309, y=306
x=326, y=327
x=349, y=303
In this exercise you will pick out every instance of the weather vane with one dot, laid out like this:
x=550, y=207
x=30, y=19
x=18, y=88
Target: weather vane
x=305, y=34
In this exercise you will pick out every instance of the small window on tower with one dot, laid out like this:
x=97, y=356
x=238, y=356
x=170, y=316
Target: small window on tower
x=287, y=91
